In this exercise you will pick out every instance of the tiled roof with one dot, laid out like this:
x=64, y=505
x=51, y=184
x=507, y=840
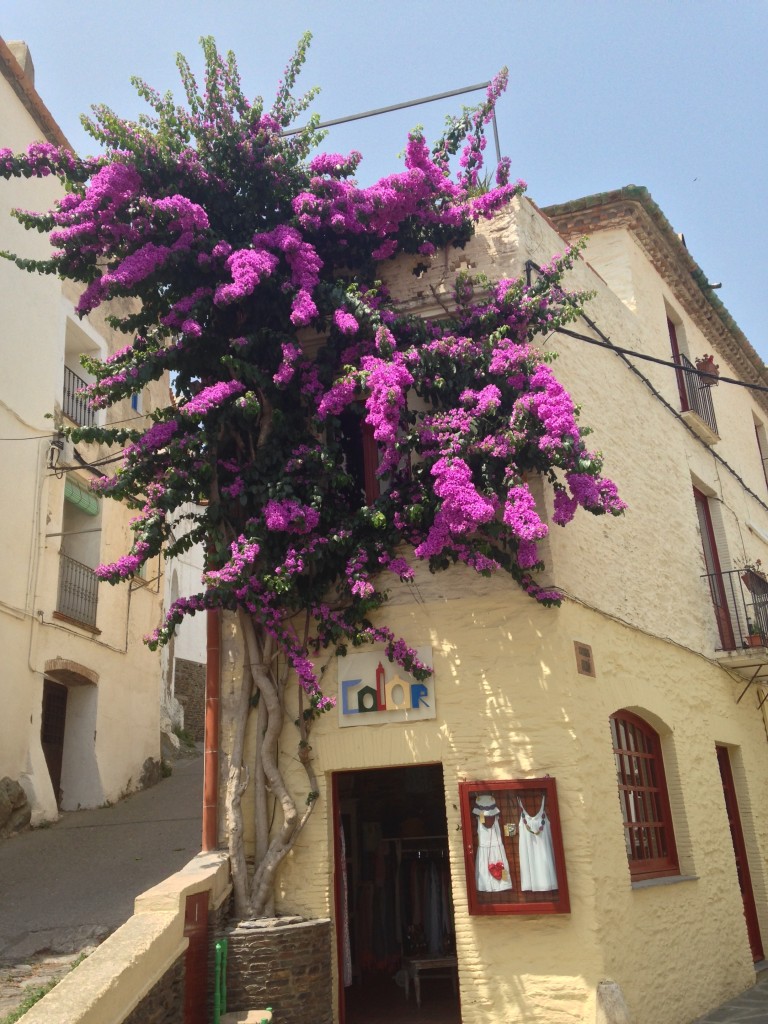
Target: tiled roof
x=25, y=90
x=633, y=208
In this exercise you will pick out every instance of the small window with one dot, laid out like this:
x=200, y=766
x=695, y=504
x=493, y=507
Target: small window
x=643, y=796
x=360, y=452
x=136, y=402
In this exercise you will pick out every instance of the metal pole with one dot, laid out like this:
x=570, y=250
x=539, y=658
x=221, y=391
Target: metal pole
x=398, y=106
x=211, y=762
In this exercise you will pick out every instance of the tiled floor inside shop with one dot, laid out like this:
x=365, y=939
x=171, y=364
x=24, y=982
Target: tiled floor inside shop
x=382, y=1001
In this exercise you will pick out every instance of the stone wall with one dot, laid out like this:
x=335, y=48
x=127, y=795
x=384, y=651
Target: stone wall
x=284, y=963
x=164, y=1003
x=189, y=690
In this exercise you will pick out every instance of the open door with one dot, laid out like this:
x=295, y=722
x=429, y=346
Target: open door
x=740, y=853
x=714, y=573
x=395, y=935
x=52, y=729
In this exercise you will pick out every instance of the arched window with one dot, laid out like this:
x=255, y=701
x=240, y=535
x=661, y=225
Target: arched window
x=643, y=796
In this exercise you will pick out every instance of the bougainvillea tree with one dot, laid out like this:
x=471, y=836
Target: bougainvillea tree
x=254, y=269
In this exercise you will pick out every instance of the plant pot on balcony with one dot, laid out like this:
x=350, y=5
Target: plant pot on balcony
x=754, y=640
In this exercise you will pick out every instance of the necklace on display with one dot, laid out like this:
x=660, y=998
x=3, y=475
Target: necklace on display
x=534, y=831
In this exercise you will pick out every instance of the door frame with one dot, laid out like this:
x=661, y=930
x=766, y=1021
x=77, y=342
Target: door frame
x=740, y=852
x=714, y=572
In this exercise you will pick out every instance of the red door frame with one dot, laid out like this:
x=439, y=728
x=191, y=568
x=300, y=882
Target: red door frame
x=712, y=562
x=196, y=959
x=740, y=853
x=684, y=403
x=337, y=898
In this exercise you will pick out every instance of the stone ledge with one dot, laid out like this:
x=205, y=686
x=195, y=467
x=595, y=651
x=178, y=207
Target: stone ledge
x=653, y=883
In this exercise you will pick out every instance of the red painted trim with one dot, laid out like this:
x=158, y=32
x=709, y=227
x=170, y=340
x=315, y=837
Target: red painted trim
x=211, y=762
x=196, y=959
x=648, y=794
x=337, y=896
x=558, y=904
x=740, y=853
x=716, y=588
x=684, y=406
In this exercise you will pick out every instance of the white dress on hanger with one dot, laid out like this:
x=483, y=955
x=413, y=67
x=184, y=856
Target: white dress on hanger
x=491, y=855
x=537, y=857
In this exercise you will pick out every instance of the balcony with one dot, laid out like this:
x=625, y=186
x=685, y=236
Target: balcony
x=740, y=601
x=74, y=405
x=696, y=401
x=78, y=592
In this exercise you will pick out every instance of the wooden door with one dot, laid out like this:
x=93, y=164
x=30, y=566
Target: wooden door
x=714, y=573
x=740, y=853
x=52, y=728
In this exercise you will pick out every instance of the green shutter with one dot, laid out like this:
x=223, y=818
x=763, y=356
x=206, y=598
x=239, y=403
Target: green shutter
x=78, y=495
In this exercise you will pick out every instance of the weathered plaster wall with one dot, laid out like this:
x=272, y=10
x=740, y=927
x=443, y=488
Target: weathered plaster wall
x=510, y=703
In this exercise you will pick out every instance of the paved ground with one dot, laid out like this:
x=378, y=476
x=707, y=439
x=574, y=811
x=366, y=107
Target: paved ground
x=65, y=887
x=749, y=1008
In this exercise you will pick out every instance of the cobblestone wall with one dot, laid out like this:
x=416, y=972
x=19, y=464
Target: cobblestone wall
x=189, y=689
x=284, y=963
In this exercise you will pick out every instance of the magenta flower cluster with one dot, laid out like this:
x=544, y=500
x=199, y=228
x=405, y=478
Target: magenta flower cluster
x=251, y=265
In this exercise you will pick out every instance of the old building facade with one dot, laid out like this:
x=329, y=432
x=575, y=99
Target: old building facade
x=633, y=714
x=80, y=691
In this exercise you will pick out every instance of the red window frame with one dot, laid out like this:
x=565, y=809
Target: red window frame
x=684, y=403
x=511, y=796
x=648, y=830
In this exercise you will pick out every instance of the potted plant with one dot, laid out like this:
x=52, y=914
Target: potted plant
x=754, y=636
x=706, y=364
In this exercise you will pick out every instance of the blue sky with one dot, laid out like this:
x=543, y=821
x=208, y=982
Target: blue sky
x=669, y=94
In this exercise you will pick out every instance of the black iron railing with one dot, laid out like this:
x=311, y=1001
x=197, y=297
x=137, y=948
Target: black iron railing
x=78, y=591
x=697, y=391
x=76, y=406
x=740, y=600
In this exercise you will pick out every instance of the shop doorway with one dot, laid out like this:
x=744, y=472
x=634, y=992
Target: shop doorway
x=396, y=940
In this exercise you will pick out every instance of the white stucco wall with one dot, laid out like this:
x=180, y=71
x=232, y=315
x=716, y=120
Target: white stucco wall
x=112, y=723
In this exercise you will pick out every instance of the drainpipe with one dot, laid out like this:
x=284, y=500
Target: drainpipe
x=211, y=762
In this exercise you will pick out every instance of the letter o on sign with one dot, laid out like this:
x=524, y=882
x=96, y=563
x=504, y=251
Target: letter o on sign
x=390, y=691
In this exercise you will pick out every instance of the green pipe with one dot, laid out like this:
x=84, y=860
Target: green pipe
x=220, y=959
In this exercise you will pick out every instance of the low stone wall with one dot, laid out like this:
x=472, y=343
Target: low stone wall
x=136, y=976
x=284, y=963
x=189, y=690
x=164, y=1004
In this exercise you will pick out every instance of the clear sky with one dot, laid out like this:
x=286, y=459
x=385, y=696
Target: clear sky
x=670, y=94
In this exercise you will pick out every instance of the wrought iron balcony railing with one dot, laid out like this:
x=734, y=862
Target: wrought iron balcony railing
x=697, y=392
x=76, y=406
x=78, y=591
x=740, y=600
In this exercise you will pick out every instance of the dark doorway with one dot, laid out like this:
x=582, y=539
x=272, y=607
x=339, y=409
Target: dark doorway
x=52, y=731
x=740, y=853
x=395, y=936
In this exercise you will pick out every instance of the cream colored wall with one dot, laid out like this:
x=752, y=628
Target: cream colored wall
x=510, y=703
x=112, y=726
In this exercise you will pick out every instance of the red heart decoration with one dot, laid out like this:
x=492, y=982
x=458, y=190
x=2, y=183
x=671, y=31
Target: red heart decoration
x=496, y=869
